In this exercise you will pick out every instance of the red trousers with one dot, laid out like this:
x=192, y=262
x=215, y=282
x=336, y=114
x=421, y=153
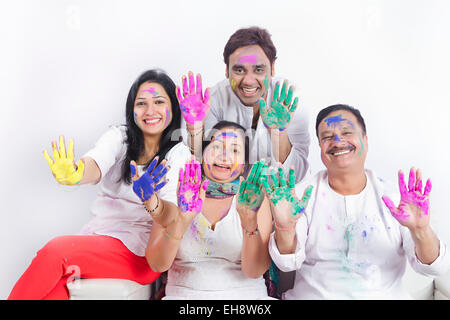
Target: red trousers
x=65, y=258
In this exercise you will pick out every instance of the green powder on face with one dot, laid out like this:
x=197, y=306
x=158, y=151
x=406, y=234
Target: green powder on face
x=362, y=146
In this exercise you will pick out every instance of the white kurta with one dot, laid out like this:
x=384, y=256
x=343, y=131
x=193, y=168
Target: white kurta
x=350, y=247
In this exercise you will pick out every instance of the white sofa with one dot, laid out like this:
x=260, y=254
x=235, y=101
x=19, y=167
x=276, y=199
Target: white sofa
x=420, y=287
x=111, y=289
x=426, y=288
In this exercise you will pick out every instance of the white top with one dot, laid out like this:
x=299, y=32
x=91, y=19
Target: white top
x=208, y=263
x=225, y=105
x=350, y=247
x=117, y=211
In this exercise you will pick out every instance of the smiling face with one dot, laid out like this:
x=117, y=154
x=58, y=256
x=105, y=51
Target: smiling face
x=248, y=71
x=224, y=157
x=152, y=108
x=342, y=141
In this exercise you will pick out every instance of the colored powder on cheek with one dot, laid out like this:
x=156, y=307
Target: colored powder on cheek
x=250, y=59
x=168, y=117
x=266, y=85
x=233, y=84
x=362, y=146
x=135, y=121
x=236, y=169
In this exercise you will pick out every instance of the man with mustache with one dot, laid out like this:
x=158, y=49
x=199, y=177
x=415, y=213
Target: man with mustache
x=352, y=241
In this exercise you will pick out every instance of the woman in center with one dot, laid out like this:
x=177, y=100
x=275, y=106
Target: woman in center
x=217, y=247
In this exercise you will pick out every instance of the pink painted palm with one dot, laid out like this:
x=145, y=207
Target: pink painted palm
x=191, y=189
x=413, y=209
x=193, y=105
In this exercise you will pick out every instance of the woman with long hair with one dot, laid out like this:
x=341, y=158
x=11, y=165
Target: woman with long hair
x=131, y=162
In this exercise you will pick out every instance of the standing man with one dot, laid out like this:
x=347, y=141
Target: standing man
x=357, y=233
x=277, y=129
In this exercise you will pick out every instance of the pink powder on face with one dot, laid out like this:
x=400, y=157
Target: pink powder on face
x=150, y=90
x=167, y=117
x=250, y=59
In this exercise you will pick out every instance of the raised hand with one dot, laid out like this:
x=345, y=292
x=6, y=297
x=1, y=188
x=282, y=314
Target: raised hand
x=63, y=166
x=250, y=195
x=279, y=114
x=414, y=206
x=286, y=206
x=193, y=105
x=191, y=189
x=146, y=185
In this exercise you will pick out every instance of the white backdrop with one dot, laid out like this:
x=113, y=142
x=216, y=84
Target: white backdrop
x=66, y=68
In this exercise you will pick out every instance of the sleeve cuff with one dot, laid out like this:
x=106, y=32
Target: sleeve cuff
x=286, y=262
x=438, y=267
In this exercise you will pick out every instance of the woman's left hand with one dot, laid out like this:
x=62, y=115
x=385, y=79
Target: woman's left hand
x=250, y=195
x=147, y=185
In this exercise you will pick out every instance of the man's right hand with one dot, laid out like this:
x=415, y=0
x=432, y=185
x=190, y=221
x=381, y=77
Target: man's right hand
x=194, y=106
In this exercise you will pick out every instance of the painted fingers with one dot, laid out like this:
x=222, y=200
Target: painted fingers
x=151, y=181
x=62, y=165
x=191, y=189
x=193, y=104
x=279, y=114
x=414, y=202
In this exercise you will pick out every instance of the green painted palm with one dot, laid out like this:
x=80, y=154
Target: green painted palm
x=279, y=114
x=250, y=194
x=281, y=193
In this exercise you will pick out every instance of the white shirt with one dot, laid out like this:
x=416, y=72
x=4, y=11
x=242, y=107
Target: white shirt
x=117, y=211
x=225, y=105
x=208, y=263
x=350, y=247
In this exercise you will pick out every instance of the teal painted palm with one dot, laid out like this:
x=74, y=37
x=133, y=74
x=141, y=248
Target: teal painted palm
x=250, y=194
x=279, y=113
x=282, y=195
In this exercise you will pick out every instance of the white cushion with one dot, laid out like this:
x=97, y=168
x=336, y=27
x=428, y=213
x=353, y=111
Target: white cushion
x=108, y=289
x=442, y=285
x=420, y=287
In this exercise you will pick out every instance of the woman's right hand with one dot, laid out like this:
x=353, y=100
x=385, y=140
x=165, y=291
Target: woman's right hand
x=191, y=191
x=194, y=106
x=63, y=166
x=286, y=207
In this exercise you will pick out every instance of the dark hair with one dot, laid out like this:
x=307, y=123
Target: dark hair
x=228, y=124
x=326, y=111
x=247, y=37
x=135, y=138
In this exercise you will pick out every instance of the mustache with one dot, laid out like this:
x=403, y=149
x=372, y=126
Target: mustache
x=339, y=149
